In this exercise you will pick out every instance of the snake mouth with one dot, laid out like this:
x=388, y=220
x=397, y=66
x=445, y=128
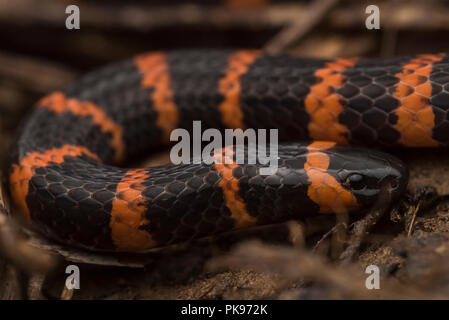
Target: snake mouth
x=394, y=176
x=395, y=184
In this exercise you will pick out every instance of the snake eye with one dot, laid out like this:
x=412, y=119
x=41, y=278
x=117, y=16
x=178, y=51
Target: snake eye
x=355, y=181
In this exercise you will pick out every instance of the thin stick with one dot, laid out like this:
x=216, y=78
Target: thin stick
x=298, y=29
x=362, y=226
x=67, y=294
x=37, y=75
x=327, y=234
x=410, y=228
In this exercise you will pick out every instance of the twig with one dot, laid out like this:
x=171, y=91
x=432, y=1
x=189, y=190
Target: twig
x=327, y=234
x=19, y=253
x=38, y=76
x=300, y=27
x=360, y=229
x=410, y=228
x=362, y=226
x=67, y=294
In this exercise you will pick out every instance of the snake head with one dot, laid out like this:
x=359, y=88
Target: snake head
x=340, y=179
x=372, y=177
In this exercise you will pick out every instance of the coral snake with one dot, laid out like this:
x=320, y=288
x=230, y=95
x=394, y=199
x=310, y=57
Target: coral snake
x=63, y=175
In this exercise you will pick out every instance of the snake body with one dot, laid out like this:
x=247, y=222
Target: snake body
x=65, y=181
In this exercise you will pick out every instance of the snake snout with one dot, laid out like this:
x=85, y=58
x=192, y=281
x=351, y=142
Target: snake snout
x=397, y=179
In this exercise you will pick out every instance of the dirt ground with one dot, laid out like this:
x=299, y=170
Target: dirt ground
x=286, y=261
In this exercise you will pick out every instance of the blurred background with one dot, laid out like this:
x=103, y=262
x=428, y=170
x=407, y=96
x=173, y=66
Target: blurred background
x=38, y=54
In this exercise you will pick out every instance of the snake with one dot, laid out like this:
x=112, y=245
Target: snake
x=70, y=176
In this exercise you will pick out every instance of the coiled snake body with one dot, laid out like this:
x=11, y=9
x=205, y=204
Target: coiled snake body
x=62, y=181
